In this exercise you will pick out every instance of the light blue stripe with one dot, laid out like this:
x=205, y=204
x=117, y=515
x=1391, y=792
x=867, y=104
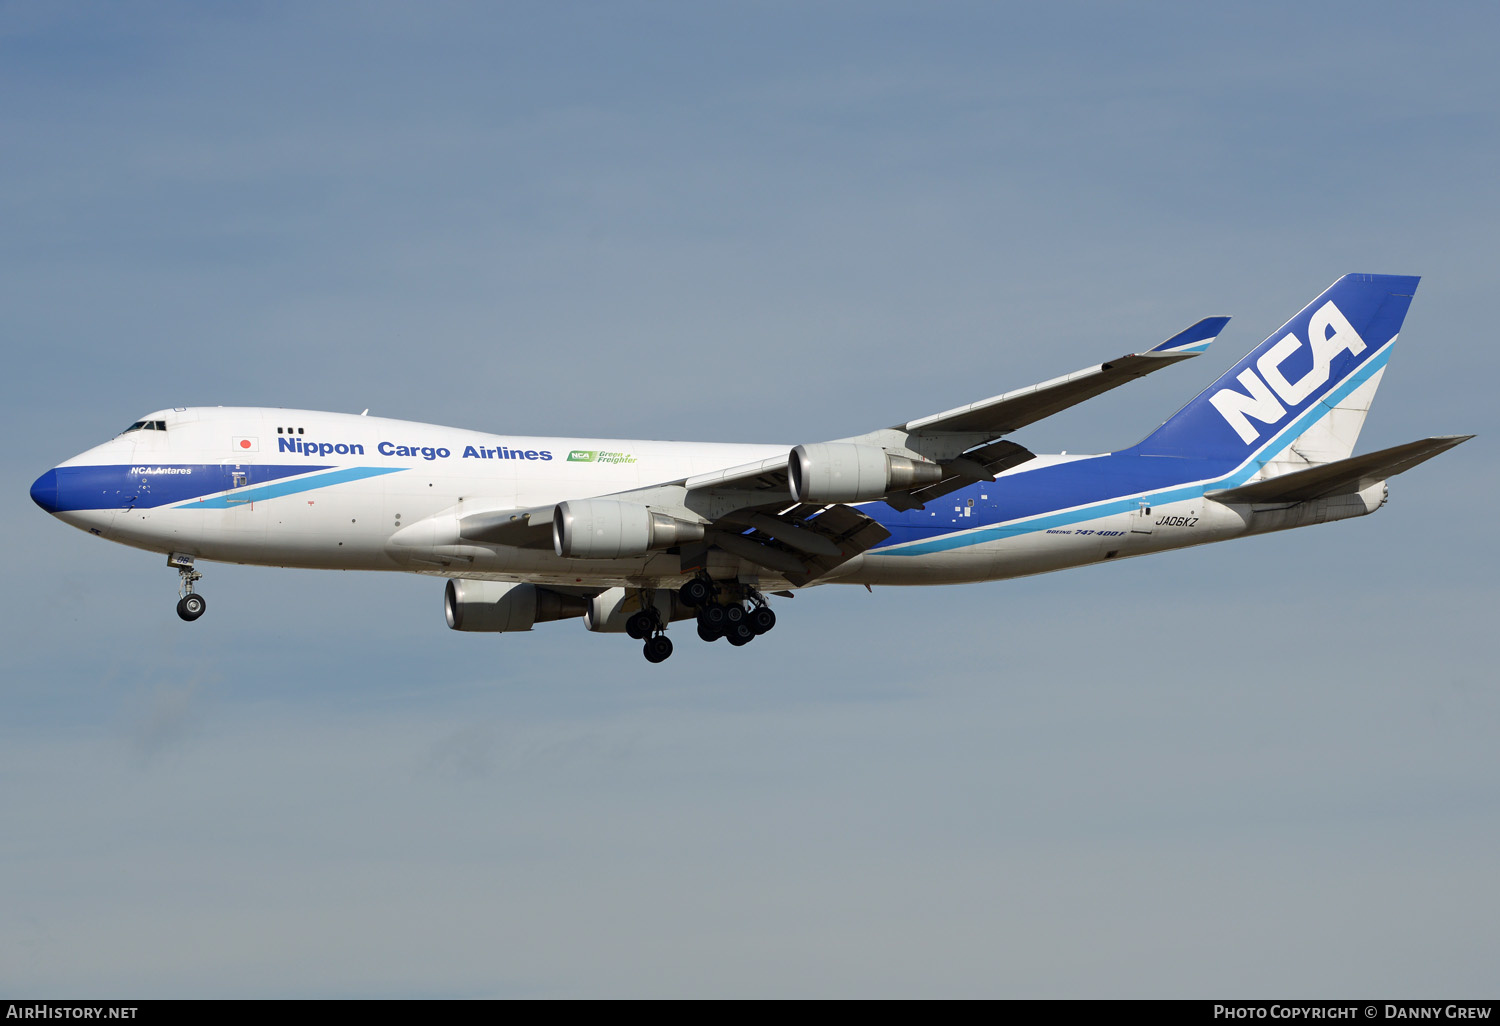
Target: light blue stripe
x=1126, y=504
x=261, y=493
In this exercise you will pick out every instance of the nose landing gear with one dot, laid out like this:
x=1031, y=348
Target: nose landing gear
x=191, y=605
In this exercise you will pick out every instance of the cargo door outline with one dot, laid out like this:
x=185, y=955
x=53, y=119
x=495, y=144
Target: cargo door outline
x=239, y=477
x=1140, y=520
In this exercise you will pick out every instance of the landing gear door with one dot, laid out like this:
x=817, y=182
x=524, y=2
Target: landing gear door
x=1141, y=521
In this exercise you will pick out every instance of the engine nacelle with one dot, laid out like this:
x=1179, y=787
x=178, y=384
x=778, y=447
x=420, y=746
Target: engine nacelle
x=846, y=472
x=608, y=610
x=498, y=606
x=606, y=529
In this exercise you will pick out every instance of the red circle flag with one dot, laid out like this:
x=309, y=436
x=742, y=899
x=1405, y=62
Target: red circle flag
x=244, y=443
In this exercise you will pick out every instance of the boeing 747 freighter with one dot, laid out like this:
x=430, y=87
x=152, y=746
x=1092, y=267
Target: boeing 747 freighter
x=635, y=535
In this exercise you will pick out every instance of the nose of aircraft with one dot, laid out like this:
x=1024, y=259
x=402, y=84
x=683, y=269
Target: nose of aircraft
x=44, y=491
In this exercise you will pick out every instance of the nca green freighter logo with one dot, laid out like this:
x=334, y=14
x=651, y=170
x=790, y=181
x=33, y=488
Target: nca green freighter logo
x=595, y=456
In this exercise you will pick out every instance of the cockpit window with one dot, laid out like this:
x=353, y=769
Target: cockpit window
x=146, y=425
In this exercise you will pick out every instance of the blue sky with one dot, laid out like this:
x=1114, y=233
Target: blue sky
x=1258, y=769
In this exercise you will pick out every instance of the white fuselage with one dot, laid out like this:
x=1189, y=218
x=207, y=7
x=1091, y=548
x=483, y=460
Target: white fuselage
x=326, y=490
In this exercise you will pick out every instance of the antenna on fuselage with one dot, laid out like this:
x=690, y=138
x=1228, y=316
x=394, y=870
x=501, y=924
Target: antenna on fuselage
x=366, y=411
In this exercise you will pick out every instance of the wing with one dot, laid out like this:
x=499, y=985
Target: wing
x=1003, y=414
x=795, y=514
x=799, y=541
x=967, y=441
x=979, y=426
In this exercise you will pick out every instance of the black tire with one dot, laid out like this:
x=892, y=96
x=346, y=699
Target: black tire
x=716, y=616
x=740, y=634
x=639, y=625
x=734, y=613
x=707, y=632
x=762, y=619
x=695, y=593
x=658, y=648
x=190, y=607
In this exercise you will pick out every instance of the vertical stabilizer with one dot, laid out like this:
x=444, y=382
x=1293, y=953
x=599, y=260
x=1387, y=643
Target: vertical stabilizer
x=1300, y=398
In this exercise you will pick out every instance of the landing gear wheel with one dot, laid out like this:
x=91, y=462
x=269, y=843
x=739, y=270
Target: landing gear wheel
x=740, y=633
x=658, y=648
x=708, y=632
x=716, y=617
x=695, y=593
x=762, y=619
x=190, y=607
x=640, y=625
x=734, y=613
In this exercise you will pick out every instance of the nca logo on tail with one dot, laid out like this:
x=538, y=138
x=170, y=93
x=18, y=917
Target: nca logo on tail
x=1238, y=407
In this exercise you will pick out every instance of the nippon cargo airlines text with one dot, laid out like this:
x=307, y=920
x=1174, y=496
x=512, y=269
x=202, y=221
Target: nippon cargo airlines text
x=635, y=536
x=426, y=452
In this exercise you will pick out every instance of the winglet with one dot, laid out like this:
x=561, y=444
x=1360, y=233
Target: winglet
x=1193, y=340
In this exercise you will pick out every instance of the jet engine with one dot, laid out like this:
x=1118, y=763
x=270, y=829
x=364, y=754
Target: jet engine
x=845, y=472
x=606, y=529
x=497, y=606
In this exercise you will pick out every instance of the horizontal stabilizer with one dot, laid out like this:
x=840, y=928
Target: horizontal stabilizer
x=1351, y=475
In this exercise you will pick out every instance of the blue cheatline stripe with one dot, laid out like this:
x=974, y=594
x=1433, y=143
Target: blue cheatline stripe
x=260, y=493
x=1126, y=504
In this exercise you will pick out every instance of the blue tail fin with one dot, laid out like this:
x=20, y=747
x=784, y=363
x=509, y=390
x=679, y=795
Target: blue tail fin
x=1311, y=379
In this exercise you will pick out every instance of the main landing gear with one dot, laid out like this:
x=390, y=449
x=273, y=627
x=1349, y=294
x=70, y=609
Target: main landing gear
x=724, y=610
x=647, y=626
x=733, y=611
x=191, y=605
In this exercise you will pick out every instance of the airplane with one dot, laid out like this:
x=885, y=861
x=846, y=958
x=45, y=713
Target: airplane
x=632, y=536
